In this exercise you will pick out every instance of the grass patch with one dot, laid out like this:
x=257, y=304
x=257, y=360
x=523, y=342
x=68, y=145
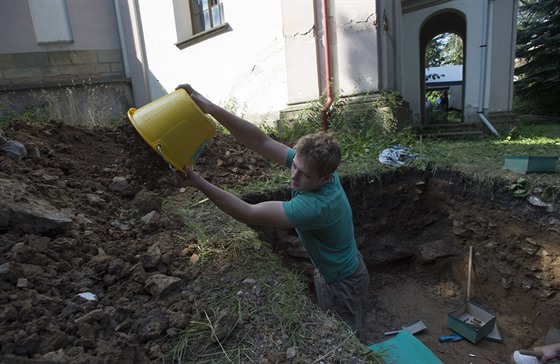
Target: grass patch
x=242, y=282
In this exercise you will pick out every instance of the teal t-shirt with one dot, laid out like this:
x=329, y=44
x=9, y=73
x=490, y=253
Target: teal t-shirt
x=323, y=222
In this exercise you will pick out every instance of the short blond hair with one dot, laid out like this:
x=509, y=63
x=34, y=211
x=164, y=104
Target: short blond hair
x=320, y=151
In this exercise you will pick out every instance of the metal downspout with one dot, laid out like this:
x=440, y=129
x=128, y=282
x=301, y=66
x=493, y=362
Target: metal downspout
x=482, y=85
x=327, y=56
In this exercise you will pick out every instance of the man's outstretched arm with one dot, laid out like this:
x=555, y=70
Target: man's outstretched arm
x=268, y=213
x=244, y=131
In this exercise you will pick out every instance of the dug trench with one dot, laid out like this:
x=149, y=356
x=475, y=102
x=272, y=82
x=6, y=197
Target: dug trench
x=81, y=212
x=416, y=232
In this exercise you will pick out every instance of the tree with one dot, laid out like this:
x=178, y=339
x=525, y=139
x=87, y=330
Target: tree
x=444, y=49
x=538, y=56
x=454, y=50
x=434, y=51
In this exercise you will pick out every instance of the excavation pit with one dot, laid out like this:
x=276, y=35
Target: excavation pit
x=415, y=231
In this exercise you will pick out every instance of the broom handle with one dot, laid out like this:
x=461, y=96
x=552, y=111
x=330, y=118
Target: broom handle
x=469, y=277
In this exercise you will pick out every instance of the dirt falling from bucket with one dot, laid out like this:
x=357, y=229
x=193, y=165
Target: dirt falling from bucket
x=223, y=161
x=147, y=168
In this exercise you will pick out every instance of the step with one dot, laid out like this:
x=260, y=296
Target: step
x=452, y=134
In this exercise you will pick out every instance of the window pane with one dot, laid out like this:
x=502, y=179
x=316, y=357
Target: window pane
x=197, y=6
x=215, y=16
x=198, y=23
x=206, y=20
x=206, y=14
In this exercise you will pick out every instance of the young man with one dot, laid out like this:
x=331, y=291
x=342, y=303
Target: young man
x=319, y=209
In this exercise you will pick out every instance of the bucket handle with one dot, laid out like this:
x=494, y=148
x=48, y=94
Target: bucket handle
x=173, y=169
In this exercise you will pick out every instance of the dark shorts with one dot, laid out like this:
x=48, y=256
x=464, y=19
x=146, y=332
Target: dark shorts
x=345, y=296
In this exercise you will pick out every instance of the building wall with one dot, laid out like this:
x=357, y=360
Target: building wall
x=355, y=48
x=389, y=23
x=412, y=25
x=352, y=49
x=303, y=59
x=270, y=56
x=264, y=64
x=242, y=68
x=502, y=54
x=502, y=17
x=94, y=50
x=87, y=57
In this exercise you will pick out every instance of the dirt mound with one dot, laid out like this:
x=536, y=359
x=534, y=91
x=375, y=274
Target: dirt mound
x=93, y=270
x=109, y=286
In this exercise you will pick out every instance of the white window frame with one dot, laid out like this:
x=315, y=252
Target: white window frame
x=186, y=35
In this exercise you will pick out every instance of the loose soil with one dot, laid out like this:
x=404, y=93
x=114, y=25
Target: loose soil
x=116, y=242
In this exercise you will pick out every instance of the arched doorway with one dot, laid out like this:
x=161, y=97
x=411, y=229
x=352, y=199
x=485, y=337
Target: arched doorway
x=446, y=21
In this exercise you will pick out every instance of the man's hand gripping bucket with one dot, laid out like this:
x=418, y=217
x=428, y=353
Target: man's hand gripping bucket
x=175, y=127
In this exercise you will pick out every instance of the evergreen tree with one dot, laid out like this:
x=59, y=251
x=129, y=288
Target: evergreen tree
x=538, y=56
x=434, y=51
x=454, y=50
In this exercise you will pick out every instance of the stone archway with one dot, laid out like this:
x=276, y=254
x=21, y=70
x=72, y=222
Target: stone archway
x=446, y=21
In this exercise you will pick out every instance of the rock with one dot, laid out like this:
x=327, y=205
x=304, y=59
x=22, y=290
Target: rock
x=83, y=220
x=87, y=335
x=31, y=270
x=459, y=229
x=116, y=266
x=29, y=345
x=536, y=201
x=100, y=262
x=146, y=201
x=53, y=340
x=146, y=219
x=155, y=352
x=224, y=325
x=58, y=356
x=95, y=199
x=276, y=357
x=33, y=152
x=7, y=272
x=9, y=313
x=434, y=250
x=249, y=281
x=152, y=326
x=530, y=247
x=504, y=269
x=124, y=226
x=159, y=285
x=121, y=186
x=291, y=352
x=151, y=259
x=91, y=317
x=177, y=319
x=29, y=214
x=22, y=253
x=22, y=283
x=14, y=149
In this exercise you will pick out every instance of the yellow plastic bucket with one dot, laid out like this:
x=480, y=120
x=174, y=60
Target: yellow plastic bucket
x=175, y=127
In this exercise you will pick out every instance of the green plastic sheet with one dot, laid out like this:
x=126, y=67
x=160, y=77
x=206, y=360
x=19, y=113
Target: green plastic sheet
x=405, y=348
